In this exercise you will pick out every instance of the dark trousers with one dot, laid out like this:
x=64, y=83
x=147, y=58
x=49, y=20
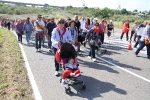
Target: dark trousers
x=37, y=41
x=92, y=51
x=102, y=38
x=141, y=46
x=138, y=40
x=148, y=51
x=132, y=33
x=8, y=27
x=19, y=37
x=56, y=64
x=126, y=36
x=49, y=41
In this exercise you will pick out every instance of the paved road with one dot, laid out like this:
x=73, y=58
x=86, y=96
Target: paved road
x=119, y=75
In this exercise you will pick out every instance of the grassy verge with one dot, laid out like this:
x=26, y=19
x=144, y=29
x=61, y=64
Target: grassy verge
x=14, y=83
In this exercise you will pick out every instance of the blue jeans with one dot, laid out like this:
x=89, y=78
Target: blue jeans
x=49, y=41
x=138, y=40
x=148, y=51
x=141, y=46
x=92, y=51
x=37, y=41
x=28, y=35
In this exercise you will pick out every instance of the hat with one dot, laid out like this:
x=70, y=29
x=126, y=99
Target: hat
x=110, y=20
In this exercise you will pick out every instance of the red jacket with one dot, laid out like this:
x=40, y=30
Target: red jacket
x=125, y=27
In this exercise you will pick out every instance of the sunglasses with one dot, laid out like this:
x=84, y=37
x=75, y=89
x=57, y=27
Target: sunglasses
x=61, y=22
x=39, y=17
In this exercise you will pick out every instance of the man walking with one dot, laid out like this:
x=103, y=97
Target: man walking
x=140, y=30
x=50, y=26
x=39, y=31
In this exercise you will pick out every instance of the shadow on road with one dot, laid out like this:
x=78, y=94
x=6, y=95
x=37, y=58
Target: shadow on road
x=94, y=88
x=96, y=65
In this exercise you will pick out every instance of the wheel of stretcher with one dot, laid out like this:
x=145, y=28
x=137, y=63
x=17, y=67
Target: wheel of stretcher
x=83, y=87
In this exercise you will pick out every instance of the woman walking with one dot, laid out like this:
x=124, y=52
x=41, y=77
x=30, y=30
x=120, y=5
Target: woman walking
x=59, y=36
x=28, y=29
x=72, y=29
x=125, y=30
x=19, y=30
x=93, y=39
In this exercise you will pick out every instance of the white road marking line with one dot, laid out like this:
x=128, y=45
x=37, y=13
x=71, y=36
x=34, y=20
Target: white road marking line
x=134, y=74
x=36, y=92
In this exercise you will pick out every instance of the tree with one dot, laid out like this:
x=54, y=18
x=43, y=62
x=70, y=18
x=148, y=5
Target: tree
x=135, y=10
x=124, y=11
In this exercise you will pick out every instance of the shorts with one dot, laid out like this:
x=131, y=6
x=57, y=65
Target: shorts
x=108, y=33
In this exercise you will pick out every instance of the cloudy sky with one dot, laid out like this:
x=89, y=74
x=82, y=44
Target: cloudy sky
x=140, y=5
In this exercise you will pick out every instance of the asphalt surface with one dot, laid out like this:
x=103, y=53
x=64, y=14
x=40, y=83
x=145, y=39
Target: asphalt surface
x=103, y=80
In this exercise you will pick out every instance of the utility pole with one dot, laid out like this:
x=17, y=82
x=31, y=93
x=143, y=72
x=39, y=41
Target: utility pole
x=83, y=3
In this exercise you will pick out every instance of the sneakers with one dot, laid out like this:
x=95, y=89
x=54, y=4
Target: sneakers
x=50, y=50
x=36, y=50
x=63, y=82
x=56, y=73
x=94, y=59
x=89, y=57
x=39, y=49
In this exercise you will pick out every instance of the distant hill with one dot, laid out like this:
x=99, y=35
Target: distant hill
x=69, y=11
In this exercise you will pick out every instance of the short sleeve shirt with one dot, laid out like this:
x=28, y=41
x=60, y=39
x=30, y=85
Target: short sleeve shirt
x=41, y=24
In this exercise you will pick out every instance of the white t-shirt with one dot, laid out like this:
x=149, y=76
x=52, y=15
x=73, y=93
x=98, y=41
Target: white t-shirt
x=82, y=22
x=41, y=24
x=140, y=30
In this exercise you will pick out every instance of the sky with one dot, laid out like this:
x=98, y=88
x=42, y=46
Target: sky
x=140, y=5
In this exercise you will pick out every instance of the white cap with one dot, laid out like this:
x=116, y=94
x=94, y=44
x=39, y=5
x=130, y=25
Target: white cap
x=110, y=20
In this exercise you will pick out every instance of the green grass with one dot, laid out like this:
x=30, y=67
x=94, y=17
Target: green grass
x=13, y=75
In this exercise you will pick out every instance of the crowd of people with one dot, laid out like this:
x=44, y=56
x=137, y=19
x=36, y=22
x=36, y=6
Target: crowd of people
x=77, y=32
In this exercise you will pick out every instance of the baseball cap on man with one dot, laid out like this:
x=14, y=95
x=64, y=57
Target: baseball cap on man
x=110, y=20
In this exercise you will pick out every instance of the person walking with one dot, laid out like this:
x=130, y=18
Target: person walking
x=28, y=29
x=72, y=29
x=125, y=30
x=59, y=36
x=19, y=31
x=39, y=31
x=50, y=26
x=110, y=29
x=93, y=39
x=147, y=38
x=67, y=22
x=102, y=30
x=140, y=30
x=8, y=24
x=80, y=40
x=133, y=30
x=144, y=36
x=85, y=30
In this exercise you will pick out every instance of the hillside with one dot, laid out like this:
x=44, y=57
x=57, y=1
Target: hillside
x=118, y=16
